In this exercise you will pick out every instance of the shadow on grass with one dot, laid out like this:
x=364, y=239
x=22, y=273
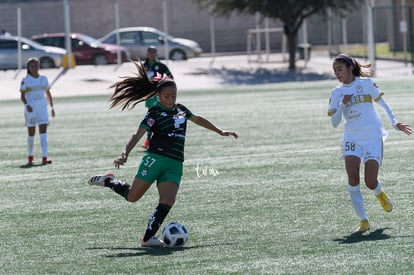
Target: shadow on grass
x=153, y=251
x=261, y=75
x=357, y=237
x=26, y=166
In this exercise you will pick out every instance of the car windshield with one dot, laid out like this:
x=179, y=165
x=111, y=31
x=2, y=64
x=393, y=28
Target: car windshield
x=89, y=40
x=32, y=43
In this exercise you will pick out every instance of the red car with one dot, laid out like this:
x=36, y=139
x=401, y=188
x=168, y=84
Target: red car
x=87, y=50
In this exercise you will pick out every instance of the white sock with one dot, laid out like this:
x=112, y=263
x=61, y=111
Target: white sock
x=378, y=189
x=357, y=201
x=30, y=145
x=43, y=142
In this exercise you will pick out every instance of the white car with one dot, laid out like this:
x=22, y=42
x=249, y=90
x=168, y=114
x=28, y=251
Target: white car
x=138, y=39
x=49, y=57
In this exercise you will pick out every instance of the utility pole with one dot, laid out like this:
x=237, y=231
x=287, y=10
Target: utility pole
x=370, y=25
x=68, y=44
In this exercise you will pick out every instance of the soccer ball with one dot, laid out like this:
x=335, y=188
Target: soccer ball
x=175, y=234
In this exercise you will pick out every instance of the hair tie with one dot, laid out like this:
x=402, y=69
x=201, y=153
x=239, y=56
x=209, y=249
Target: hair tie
x=159, y=77
x=347, y=59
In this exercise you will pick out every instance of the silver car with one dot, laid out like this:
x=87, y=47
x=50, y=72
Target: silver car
x=138, y=39
x=49, y=57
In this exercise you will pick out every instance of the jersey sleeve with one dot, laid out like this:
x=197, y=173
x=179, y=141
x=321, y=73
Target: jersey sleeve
x=376, y=95
x=46, y=83
x=23, y=86
x=375, y=91
x=336, y=108
x=188, y=113
x=167, y=71
x=390, y=114
x=148, y=122
x=333, y=103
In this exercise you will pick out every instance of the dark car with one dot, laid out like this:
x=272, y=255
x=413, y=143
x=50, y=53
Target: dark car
x=138, y=39
x=87, y=50
x=49, y=57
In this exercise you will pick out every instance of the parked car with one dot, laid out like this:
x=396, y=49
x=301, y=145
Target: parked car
x=138, y=39
x=49, y=57
x=87, y=50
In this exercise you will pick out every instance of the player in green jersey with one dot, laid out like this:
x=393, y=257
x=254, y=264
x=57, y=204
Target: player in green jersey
x=163, y=160
x=154, y=68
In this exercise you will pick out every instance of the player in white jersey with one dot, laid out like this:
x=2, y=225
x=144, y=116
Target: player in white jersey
x=353, y=99
x=35, y=94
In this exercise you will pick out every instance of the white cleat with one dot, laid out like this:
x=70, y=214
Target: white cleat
x=101, y=179
x=153, y=242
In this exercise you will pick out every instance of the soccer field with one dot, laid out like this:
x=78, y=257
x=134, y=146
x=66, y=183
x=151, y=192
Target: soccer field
x=275, y=201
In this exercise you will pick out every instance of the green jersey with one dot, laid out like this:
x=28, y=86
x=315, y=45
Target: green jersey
x=169, y=128
x=152, y=69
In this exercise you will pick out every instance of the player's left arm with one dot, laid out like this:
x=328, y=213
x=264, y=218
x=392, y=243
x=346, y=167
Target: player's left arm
x=397, y=125
x=203, y=122
x=50, y=100
x=168, y=72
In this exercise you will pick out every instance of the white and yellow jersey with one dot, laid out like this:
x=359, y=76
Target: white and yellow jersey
x=362, y=121
x=34, y=89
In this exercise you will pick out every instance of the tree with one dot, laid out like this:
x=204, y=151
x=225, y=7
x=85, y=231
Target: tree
x=290, y=12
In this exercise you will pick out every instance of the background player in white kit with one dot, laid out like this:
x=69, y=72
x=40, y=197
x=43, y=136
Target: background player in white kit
x=353, y=99
x=35, y=94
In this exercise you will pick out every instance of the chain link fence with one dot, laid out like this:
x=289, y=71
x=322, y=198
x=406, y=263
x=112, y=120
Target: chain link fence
x=393, y=34
x=393, y=25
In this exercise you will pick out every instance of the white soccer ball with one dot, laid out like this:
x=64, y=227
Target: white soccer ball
x=175, y=234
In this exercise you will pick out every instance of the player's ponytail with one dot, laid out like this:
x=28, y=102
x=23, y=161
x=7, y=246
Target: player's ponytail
x=132, y=90
x=356, y=66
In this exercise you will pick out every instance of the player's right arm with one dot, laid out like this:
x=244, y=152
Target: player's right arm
x=23, y=98
x=134, y=140
x=122, y=159
x=336, y=107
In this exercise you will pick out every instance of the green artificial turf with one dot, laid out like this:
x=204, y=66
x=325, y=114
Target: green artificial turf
x=273, y=202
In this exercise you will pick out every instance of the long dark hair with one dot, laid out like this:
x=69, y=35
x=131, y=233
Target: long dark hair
x=132, y=90
x=356, y=66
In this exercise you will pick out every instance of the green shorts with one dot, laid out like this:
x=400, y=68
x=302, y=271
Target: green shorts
x=156, y=167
